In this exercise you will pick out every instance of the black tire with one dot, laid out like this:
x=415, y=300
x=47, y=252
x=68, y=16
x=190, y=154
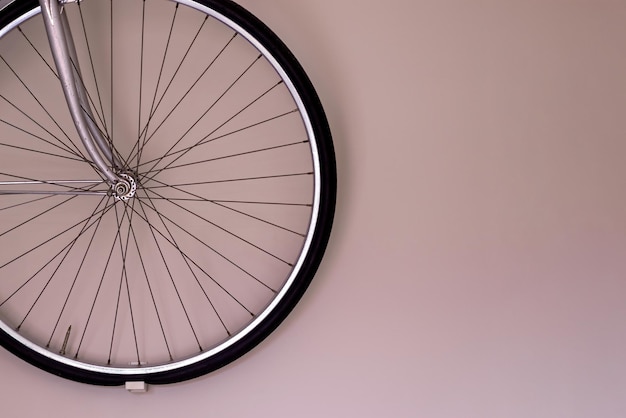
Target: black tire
x=318, y=242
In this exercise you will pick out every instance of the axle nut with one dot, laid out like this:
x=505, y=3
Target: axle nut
x=126, y=188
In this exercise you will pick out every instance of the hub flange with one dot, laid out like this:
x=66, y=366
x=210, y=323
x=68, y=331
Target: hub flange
x=125, y=189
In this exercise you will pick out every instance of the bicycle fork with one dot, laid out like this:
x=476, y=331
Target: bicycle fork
x=99, y=149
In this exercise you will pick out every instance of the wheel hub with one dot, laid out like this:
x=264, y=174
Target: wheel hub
x=125, y=188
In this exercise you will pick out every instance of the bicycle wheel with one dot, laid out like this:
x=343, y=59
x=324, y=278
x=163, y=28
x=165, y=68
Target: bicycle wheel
x=226, y=142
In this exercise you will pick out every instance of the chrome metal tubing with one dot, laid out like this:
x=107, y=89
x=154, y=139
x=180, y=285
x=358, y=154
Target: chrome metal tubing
x=58, y=36
x=57, y=192
x=104, y=147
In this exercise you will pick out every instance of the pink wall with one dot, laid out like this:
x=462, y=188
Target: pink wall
x=477, y=265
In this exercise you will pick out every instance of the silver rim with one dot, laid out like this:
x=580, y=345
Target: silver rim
x=260, y=317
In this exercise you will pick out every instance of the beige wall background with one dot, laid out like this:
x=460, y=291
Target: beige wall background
x=477, y=264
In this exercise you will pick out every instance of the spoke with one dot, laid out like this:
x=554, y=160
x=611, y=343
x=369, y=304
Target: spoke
x=80, y=267
x=67, y=252
x=36, y=273
x=229, y=232
x=104, y=210
x=141, y=57
x=143, y=132
x=204, y=244
x=47, y=241
x=93, y=72
x=195, y=276
x=53, y=193
x=15, y=205
x=185, y=95
x=118, y=238
x=154, y=108
x=207, y=140
x=203, y=140
x=260, y=220
x=169, y=273
x=19, y=28
x=95, y=298
x=73, y=64
x=239, y=154
x=117, y=309
x=68, y=186
x=37, y=216
x=37, y=151
x=173, y=244
x=198, y=183
x=124, y=254
x=145, y=273
x=208, y=109
x=112, y=134
x=76, y=148
x=197, y=198
x=61, y=145
x=124, y=280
